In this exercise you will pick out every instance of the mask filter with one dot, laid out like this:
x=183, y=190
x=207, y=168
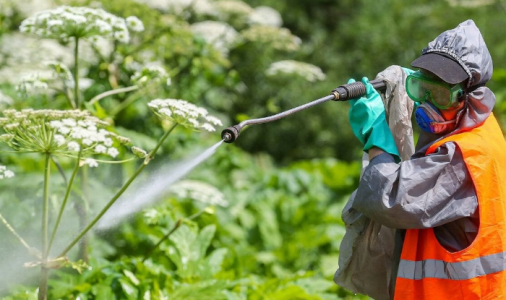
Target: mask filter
x=430, y=120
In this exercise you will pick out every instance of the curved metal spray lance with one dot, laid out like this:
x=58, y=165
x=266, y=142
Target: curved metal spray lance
x=341, y=93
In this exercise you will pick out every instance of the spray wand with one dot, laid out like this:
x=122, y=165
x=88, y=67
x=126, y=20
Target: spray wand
x=341, y=93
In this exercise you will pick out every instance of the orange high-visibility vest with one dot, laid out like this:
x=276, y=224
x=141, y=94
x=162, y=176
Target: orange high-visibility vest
x=427, y=271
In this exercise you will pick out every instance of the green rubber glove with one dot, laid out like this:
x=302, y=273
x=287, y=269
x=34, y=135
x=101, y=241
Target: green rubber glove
x=408, y=71
x=368, y=121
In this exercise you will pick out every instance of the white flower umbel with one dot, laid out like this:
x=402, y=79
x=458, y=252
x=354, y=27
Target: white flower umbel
x=21, y=55
x=61, y=71
x=219, y=34
x=65, y=22
x=183, y=7
x=90, y=162
x=31, y=84
x=184, y=113
x=307, y=71
x=57, y=76
x=134, y=24
x=150, y=73
x=200, y=191
x=5, y=173
x=265, y=15
x=278, y=38
x=73, y=146
x=232, y=8
x=58, y=133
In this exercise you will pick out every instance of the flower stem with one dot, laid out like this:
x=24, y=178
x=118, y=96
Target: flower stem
x=43, y=282
x=66, y=93
x=113, y=92
x=64, y=203
x=118, y=194
x=45, y=220
x=45, y=206
x=76, y=73
x=80, y=208
x=151, y=154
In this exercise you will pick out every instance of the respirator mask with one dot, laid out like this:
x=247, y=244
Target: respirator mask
x=430, y=119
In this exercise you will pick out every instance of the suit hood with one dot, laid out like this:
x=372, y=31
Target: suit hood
x=466, y=45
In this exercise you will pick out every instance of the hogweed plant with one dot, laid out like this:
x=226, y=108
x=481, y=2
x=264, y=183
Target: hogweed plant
x=55, y=133
x=67, y=23
x=78, y=135
x=73, y=24
x=307, y=71
x=57, y=77
x=144, y=79
x=184, y=113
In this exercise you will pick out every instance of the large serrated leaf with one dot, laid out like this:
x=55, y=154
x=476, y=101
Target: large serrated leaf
x=132, y=277
x=269, y=227
x=204, y=239
x=215, y=260
x=181, y=253
x=207, y=290
x=314, y=285
x=129, y=290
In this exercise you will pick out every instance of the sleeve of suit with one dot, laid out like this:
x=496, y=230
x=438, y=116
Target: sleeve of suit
x=423, y=192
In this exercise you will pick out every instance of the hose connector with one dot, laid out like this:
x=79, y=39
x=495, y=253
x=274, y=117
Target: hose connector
x=355, y=90
x=230, y=134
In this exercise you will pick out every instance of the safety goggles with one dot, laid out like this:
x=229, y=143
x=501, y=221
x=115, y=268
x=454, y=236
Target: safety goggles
x=421, y=88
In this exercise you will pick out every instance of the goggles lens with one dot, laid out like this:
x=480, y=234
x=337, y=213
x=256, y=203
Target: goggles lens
x=421, y=88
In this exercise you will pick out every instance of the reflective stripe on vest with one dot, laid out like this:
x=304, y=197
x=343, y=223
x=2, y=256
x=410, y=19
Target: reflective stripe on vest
x=427, y=271
x=433, y=268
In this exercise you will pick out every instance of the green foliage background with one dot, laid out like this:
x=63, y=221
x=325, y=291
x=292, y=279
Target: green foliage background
x=286, y=182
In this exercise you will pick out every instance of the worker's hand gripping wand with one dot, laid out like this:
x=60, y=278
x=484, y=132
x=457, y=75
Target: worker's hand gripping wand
x=341, y=93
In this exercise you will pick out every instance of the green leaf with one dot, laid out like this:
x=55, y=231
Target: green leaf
x=328, y=264
x=79, y=265
x=131, y=276
x=268, y=226
x=129, y=290
x=291, y=293
x=215, y=260
x=204, y=239
x=180, y=252
x=314, y=285
x=207, y=290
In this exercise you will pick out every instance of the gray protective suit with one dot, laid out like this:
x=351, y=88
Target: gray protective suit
x=433, y=191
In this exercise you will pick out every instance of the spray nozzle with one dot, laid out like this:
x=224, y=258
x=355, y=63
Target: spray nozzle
x=230, y=134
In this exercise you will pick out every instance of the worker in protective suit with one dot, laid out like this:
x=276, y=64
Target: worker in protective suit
x=434, y=226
